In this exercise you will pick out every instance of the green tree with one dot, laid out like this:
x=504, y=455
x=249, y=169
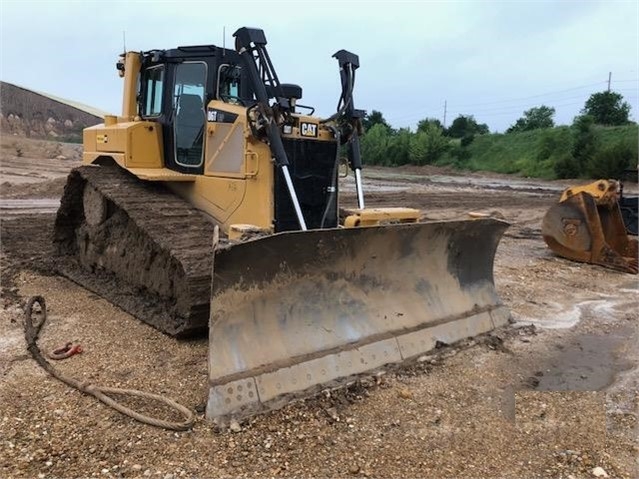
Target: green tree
x=427, y=145
x=585, y=144
x=533, y=119
x=424, y=124
x=375, y=145
x=467, y=140
x=553, y=143
x=585, y=141
x=460, y=156
x=566, y=167
x=398, y=147
x=482, y=129
x=607, y=108
x=466, y=125
x=613, y=161
x=374, y=118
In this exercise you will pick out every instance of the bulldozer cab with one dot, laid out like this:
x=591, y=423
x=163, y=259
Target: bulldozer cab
x=174, y=90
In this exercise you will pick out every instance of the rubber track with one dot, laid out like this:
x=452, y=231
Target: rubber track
x=164, y=276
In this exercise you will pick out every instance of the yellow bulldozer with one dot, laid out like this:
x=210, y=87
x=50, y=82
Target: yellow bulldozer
x=589, y=225
x=212, y=203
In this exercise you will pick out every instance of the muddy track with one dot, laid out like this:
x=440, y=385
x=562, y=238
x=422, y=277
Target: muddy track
x=139, y=245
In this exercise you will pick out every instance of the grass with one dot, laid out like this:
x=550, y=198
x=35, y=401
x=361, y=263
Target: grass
x=532, y=153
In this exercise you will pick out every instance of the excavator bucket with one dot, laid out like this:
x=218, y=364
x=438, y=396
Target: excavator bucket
x=297, y=312
x=581, y=230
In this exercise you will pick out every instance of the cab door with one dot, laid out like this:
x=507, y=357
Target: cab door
x=172, y=95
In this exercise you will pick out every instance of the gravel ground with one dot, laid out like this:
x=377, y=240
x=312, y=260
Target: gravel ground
x=554, y=395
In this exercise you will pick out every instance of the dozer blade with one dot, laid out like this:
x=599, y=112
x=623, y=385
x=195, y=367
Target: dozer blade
x=296, y=312
x=578, y=229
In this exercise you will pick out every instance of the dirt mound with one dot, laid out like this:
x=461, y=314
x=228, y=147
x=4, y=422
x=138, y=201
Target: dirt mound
x=36, y=115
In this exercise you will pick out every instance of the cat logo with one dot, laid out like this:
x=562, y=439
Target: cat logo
x=102, y=138
x=308, y=129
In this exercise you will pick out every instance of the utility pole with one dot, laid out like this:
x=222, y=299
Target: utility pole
x=445, y=113
x=609, y=78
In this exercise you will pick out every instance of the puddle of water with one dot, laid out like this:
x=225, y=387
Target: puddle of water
x=589, y=362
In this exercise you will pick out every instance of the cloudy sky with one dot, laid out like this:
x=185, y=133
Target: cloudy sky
x=486, y=58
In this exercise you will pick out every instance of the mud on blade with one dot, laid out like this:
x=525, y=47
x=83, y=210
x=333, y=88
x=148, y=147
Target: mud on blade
x=295, y=312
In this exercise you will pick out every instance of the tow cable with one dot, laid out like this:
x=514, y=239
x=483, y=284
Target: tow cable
x=31, y=332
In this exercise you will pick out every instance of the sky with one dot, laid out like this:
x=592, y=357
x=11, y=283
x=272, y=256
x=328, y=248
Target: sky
x=489, y=59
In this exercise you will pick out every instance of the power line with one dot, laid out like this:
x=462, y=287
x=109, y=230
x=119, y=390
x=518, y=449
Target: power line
x=520, y=109
x=527, y=105
x=549, y=93
x=430, y=113
x=499, y=109
x=431, y=109
x=553, y=103
x=518, y=112
x=533, y=96
x=496, y=113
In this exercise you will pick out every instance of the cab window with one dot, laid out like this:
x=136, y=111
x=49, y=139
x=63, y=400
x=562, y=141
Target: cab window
x=190, y=118
x=229, y=83
x=190, y=78
x=153, y=82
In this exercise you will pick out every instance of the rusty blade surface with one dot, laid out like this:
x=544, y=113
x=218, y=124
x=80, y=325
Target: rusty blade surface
x=296, y=311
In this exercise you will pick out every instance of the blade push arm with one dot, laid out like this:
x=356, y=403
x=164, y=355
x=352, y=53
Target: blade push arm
x=349, y=118
x=250, y=43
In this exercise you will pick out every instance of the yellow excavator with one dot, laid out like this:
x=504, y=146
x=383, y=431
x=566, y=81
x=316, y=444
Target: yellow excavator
x=212, y=203
x=588, y=225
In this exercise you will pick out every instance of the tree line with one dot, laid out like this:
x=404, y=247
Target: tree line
x=386, y=146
